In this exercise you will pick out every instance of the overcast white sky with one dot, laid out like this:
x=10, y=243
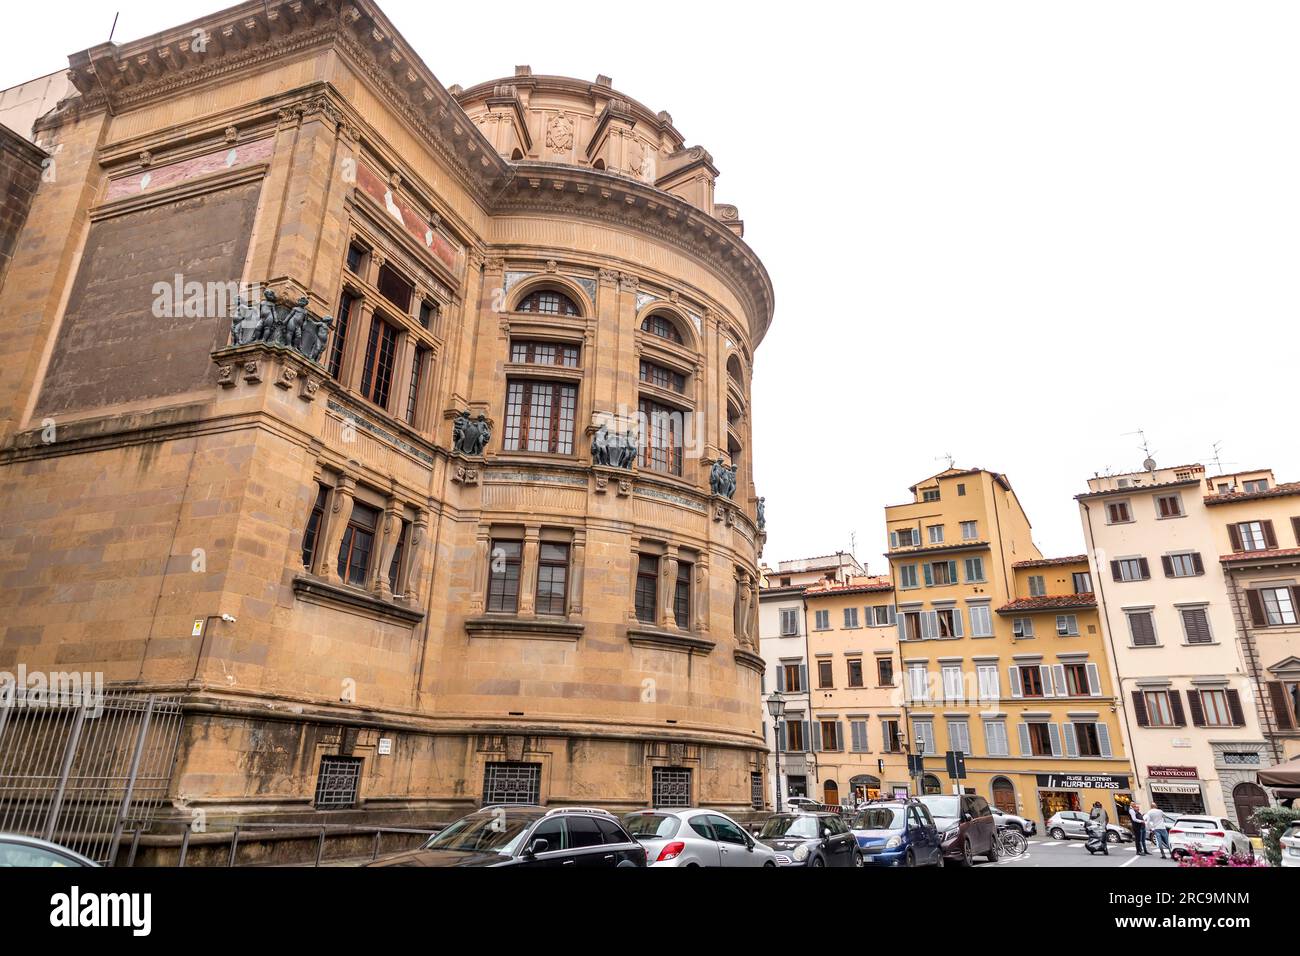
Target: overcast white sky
x=1010, y=232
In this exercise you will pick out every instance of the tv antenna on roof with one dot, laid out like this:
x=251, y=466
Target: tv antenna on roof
x=1217, y=450
x=947, y=456
x=1149, y=463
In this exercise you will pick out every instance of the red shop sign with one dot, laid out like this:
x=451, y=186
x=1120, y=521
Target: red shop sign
x=1173, y=773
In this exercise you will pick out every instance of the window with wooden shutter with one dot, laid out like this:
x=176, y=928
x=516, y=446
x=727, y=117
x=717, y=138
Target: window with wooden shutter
x=1286, y=709
x=1142, y=629
x=1176, y=706
x=1194, y=704
x=1196, y=625
x=1234, y=708
x=1140, y=709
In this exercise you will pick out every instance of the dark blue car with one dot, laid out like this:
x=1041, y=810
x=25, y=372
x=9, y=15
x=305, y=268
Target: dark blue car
x=897, y=833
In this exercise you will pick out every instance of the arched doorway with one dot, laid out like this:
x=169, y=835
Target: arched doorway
x=1247, y=798
x=930, y=784
x=831, y=793
x=1004, y=795
x=864, y=787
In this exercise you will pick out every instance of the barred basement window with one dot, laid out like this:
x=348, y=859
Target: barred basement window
x=512, y=783
x=756, y=791
x=338, y=782
x=672, y=787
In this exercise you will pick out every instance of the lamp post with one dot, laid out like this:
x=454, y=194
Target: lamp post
x=776, y=707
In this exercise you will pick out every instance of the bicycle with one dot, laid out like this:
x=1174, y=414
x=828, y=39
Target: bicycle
x=1012, y=842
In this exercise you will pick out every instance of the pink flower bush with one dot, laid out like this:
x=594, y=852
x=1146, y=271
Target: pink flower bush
x=1240, y=861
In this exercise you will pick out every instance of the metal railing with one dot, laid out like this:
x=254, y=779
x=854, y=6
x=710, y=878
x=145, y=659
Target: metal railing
x=321, y=830
x=82, y=768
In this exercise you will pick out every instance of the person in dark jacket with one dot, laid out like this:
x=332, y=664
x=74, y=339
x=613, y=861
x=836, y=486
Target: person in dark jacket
x=1139, y=827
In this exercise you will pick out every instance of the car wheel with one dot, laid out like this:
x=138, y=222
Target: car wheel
x=940, y=861
x=1177, y=854
x=1056, y=833
x=995, y=851
x=818, y=861
x=769, y=865
x=967, y=854
x=909, y=861
x=857, y=859
x=1112, y=836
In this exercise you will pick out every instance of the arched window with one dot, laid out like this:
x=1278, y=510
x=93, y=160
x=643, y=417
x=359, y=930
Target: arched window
x=734, y=371
x=930, y=784
x=662, y=326
x=548, y=302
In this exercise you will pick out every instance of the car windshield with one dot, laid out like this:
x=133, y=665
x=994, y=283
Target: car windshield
x=483, y=832
x=652, y=825
x=879, y=818
x=948, y=807
x=801, y=827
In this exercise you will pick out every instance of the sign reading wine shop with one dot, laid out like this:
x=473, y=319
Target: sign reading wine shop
x=1082, y=781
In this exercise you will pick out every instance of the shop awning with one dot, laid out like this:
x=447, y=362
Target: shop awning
x=1283, y=775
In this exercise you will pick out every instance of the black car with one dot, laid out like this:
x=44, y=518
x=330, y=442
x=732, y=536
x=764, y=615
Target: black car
x=967, y=828
x=528, y=836
x=810, y=839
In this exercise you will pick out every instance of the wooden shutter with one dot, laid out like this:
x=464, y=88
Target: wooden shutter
x=1115, y=573
x=1140, y=709
x=1197, y=625
x=1257, y=616
x=952, y=572
x=1234, y=708
x=1103, y=739
x=1234, y=536
x=1094, y=680
x=1194, y=705
x=1295, y=530
x=1146, y=568
x=1071, y=743
x=1167, y=563
x=1054, y=734
x=1281, y=706
x=1176, y=708
x=956, y=623
x=1045, y=676
x=1026, y=749
x=839, y=735
x=806, y=727
x=1014, y=673
x=1062, y=688
x=780, y=678
x=1197, y=564
x=803, y=678
x=1270, y=539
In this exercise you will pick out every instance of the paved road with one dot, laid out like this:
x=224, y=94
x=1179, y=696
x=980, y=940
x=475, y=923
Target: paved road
x=1044, y=851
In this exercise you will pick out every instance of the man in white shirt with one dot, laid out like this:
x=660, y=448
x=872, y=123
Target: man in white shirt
x=1159, y=827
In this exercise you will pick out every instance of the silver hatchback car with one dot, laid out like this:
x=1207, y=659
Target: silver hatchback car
x=695, y=838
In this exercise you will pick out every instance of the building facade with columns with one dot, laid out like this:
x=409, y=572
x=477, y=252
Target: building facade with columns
x=472, y=485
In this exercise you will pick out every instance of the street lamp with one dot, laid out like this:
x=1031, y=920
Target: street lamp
x=776, y=707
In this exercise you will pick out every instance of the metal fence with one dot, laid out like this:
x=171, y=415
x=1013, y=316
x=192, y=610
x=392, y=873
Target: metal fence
x=82, y=768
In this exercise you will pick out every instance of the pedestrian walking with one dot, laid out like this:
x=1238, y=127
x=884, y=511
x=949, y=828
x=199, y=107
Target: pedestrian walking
x=1139, y=827
x=1159, y=827
x=1097, y=824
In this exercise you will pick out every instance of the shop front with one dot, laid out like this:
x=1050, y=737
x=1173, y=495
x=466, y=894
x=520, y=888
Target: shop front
x=1176, y=790
x=865, y=787
x=1058, y=792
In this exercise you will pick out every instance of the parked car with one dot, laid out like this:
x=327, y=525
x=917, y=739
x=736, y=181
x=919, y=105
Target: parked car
x=1291, y=846
x=25, y=851
x=1023, y=824
x=1073, y=825
x=897, y=833
x=966, y=826
x=528, y=836
x=685, y=838
x=1208, y=835
x=811, y=839
x=802, y=803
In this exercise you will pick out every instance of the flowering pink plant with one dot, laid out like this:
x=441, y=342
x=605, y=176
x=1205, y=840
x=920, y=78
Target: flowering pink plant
x=1195, y=859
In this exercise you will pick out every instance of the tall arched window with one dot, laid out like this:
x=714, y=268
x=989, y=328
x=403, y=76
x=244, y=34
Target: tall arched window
x=663, y=327
x=548, y=302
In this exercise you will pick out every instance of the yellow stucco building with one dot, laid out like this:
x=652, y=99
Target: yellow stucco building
x=1001, y=654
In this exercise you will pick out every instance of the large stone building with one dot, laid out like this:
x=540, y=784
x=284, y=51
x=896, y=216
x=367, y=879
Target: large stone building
x=446, y=575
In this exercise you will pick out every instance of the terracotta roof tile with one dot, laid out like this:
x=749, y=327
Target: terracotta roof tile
x=1261, y=555
x=1277, y=491
x=1051, y=602
x=1050, y=562
x=875, y=583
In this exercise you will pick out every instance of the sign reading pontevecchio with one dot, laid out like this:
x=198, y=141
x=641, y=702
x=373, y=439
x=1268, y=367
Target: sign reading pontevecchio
x=1172, y=773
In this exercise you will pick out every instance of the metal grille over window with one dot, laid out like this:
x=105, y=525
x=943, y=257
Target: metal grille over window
x=512, y=783
x=337, y=785
x=672, y=787
x=756, y=791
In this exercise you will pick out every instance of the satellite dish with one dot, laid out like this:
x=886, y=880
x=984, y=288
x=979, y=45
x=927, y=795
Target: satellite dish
x=1150, y=465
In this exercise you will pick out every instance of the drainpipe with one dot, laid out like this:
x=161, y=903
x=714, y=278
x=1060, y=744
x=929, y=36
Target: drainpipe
x=1252, y=662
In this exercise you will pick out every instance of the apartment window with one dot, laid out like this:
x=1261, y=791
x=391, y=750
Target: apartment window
x=356, y=258
x=974, y=570
x=884, y=672
x=1256, y=484
x=1031, y=681
x=981, y=621
x=952, y=682
x=552, y=579
x=1130, y=569
x=1037, y=585
x=940, y=573
x=1215, y=711
x=512, y=784
x=358, y=543
x=909, y=626
x=935, y=531
x=791, y=679
x=882, y=615
x=830, y=734
x=663, y=449
x=395, y=287
x=311, y=535
x=961, y=491
x=855, y=672
x=1159, y=710
x=548, y=302
x=923, y=732
x=346, y=305
x=794, y=736
x=889, y=737
x=850, y=617
x=1186, y=565
x=904, y=538
x=662, y=327
x=995, y=738
x=539, y=417
x=907, y=576
x=671, y=787
x=1067, y=625
x=825, y=674
x=1087, y=740
x=682, y=595
x=1169, y=506
x=790, y=621
x=1252, y=536
x=544, y=353
x=428, y=313
x=1142, y=628
x=1196, y=625
x=1040, y=739
x=858, y=732
x=990, y=687
x=503, y=576
x=1076, y=680
x=823, y=620
x=417, y=375
x=1082, y=582
x=948, y=621
x=918, y=682
x=969, y=530
x=381, y=354
x=929, y=494
x=647, y=588
x=1272, y=607
x=337, y=783
x=959, y=736
x=1117, y=512
x=1022, y=627
x=395, y=566
x=661, y=377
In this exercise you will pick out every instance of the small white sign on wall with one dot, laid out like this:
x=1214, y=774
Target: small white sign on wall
x=385, y=746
